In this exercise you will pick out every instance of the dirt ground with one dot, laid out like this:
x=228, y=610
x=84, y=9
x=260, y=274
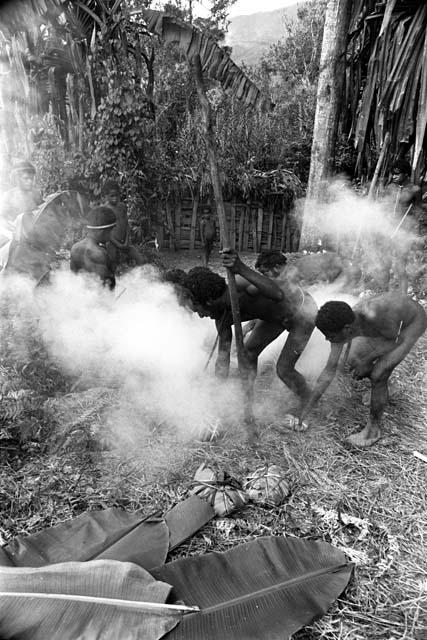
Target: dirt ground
x=370, y=503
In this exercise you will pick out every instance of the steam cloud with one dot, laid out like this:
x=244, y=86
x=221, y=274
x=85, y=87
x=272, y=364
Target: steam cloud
x=140, y=340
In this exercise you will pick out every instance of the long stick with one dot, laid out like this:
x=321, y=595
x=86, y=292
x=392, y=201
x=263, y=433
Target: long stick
x=115, y=602
x=217, y=189
x=378, y=167
x=402, y=220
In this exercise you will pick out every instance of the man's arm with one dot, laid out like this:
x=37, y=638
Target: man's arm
x=266, y=286
x=404, y=343
x=324, y=380
x=118, y=244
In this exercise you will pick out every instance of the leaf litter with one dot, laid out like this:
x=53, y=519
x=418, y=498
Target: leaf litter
x=372, y=504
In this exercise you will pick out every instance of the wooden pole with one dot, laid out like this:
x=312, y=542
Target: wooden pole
x=194, y=218
x=225, y=239
x=379, y=164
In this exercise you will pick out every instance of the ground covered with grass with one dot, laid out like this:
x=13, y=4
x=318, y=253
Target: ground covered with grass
x=370, y=503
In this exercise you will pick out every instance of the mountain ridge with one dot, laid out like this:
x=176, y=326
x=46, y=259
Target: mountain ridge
x=250, y=36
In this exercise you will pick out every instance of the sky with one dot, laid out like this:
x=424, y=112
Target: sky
x=245, y=7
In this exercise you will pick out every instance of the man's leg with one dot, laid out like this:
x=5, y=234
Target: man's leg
x=262, y=334
x=294, y=346
x=372, y=432
x=208, y=250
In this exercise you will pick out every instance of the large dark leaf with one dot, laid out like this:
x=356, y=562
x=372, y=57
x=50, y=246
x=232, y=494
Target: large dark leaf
x=265, y=589
x=216, y=62
x=91, y=600
x=112, y=534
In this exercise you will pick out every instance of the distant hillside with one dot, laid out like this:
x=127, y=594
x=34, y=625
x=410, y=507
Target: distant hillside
x=251, y=35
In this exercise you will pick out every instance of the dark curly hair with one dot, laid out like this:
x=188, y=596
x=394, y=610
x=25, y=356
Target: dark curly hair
x=175, y=276
x=204, y=284
x=270, y=258
x=403, y=166
x=333, y=316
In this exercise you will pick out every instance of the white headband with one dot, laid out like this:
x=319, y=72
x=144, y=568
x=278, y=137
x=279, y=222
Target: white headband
x=104, y=226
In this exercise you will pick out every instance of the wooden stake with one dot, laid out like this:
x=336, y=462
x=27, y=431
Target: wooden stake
x=259, y=229
x=225, y=240
x=233, y=226
x=194, y=219
x=378, y=167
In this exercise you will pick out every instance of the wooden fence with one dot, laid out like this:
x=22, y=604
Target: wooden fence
x=253, y=227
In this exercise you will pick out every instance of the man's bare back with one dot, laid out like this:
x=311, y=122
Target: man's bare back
x=90, y=254
x=274, y=305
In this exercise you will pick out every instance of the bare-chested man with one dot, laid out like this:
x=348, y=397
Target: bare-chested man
x=119, y=241
x=404, y=201
x=90, y=254
x=22, y=199
x=382, y=330
x=265, y=297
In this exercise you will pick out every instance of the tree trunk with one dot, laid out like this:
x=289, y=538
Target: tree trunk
x=329, y=103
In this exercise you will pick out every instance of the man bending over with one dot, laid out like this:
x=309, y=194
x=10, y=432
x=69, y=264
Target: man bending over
x=265, y=297
x=90, y=254
x=382, y=331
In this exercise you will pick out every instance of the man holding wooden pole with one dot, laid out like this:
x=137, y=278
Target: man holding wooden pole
x=269, y=298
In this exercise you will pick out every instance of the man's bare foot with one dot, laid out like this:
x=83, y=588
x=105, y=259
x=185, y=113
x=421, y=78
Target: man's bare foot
x=295, y=423
x=364, y=438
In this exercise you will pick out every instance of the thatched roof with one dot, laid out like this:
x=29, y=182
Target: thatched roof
x=387, y=79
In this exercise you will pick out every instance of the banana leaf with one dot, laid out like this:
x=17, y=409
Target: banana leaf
x=216, y=62
x=422, y=107
x=88, y=536
x=91, y=600
x=112, y=534
x=265, y=589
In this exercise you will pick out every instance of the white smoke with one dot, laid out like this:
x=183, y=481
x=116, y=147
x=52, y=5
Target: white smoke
x=139, y=340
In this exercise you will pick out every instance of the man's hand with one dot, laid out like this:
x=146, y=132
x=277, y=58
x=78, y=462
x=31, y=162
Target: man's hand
x=361, y=370
x=231, y=260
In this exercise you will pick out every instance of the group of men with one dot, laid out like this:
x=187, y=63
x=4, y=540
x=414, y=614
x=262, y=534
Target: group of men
x=379, y=331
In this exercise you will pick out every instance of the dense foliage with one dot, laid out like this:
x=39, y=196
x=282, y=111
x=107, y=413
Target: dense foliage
x=119, y=103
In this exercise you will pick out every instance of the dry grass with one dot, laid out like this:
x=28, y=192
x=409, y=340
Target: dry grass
x=371, y=503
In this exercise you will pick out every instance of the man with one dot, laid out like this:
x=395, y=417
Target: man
x=207, y=234
x=90, y=254
x=119, y=242
x=22, y=199
x=382, y=330
x=404, y=200
x=266, y=297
